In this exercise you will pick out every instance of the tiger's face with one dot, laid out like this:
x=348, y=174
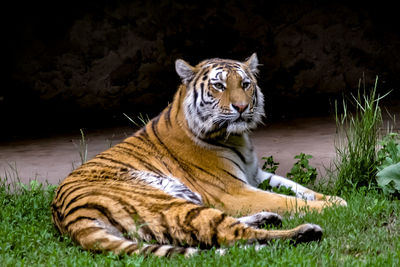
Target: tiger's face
x=222, y=96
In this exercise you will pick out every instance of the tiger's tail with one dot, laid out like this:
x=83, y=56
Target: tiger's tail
x=99, y=238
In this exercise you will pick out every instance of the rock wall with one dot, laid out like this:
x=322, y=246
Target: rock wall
x=95, y=60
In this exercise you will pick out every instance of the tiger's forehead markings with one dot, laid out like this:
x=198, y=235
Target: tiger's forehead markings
x=219, y=72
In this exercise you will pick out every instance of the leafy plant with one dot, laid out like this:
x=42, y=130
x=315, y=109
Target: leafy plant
x=301, y=171
x=280, y=190
x=270, y=165
x=388, y=176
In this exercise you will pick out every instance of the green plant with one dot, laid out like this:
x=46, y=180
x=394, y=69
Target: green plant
x=280, y=190
x=301, y=171
x=358, y=135
x=270, y=165
x=388, y=176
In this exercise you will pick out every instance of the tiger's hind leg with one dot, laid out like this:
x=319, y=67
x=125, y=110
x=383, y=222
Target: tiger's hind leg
x=185, y=223
x=206, y=227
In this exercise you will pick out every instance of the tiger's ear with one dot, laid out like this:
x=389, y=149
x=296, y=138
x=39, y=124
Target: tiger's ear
x=184, y=70
x=252, y=63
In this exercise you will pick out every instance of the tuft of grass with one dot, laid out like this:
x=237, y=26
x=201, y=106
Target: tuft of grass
x=82, y=148
x=366, y=233
x=358, y=136
x=143, y=119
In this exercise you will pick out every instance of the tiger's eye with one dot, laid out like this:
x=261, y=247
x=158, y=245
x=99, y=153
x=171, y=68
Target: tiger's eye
x=246, y=85
x=219, y=86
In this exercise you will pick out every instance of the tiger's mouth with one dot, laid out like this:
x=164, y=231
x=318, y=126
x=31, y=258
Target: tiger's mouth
x=242, y=118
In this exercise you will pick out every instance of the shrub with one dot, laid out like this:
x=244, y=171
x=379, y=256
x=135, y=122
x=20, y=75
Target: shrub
x=388, y=176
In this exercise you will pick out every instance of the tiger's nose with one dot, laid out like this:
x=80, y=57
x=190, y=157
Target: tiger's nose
x=240, y=107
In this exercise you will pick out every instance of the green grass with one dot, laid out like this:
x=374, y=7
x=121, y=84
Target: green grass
x=356, y=146
x=366, y=233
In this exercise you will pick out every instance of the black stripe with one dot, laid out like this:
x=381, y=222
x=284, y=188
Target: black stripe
x=237, y=152
x=232, y=175
x=196, y=80
x=178, y=104
x=236, y=164
x=81, y=170
x=112, y=245
x=114, y=161
x=150, y=249
x=58, y=214
x=213, y=226
x=169, y=252
x=106, y=195
x=202, y=95
x=103, y=210
x=79, y=218
x=86, y=231
x=220, y=220
x=195, y=95
x=191, y=215
x=235, y=223
x=167, y=115
x=146, y=140
x=131, y=248
x=133, y=145
x=128, y=194
x=171, y=155
x=211, y=174
x=139, y=159
x=68, y=192
x=238, y=232
x=166, y=234
x=61, y=188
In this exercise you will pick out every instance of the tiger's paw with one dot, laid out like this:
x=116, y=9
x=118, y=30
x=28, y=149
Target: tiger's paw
x=307, y=233
x=336, y=201
x=260, y=219
x=331, y=200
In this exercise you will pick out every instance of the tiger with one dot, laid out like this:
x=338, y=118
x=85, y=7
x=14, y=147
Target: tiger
x=186, y=181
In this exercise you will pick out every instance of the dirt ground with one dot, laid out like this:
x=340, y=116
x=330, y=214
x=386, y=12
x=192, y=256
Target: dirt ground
x=51, y=159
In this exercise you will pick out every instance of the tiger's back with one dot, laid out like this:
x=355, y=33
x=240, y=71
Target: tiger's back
x=160, y=183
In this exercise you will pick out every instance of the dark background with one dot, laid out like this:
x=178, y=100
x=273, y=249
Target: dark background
x=74, y=64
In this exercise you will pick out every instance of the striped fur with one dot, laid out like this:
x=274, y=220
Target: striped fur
x=182, y=178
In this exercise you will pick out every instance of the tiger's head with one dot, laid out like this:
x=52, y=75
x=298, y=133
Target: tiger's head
x=222, y=96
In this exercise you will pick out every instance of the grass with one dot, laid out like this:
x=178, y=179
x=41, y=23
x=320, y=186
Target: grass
x=358, y=134
x=366, y=233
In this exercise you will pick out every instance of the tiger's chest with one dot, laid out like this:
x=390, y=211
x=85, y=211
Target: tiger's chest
x=242, y=161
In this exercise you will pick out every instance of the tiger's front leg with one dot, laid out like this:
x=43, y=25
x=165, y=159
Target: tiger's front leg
x=299, y=190
x=249, y=200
